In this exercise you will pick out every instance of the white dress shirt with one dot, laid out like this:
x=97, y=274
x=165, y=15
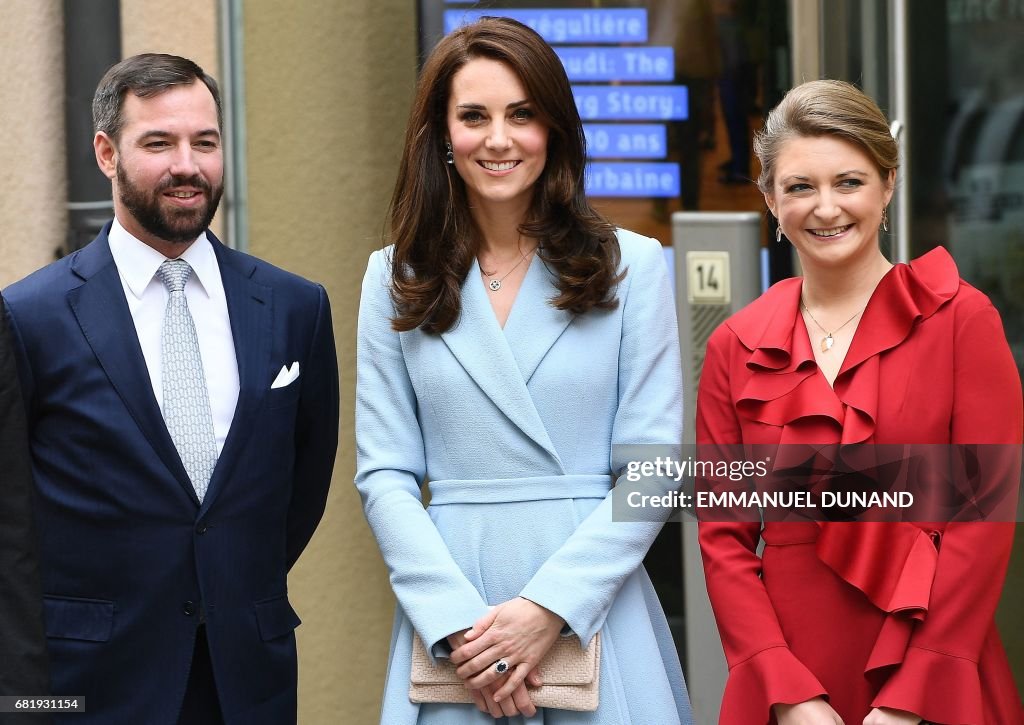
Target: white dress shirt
x=137, y=264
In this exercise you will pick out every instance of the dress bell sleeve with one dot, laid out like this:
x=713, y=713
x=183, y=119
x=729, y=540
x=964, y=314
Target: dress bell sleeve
x=580, y=580
x=938, y=678
x=390, y=468
x=763, y=671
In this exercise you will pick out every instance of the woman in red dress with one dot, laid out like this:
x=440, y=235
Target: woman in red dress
x=873, y=623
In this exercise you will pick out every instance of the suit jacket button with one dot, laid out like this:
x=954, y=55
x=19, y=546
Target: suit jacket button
x=188, y=609
x=201, y=528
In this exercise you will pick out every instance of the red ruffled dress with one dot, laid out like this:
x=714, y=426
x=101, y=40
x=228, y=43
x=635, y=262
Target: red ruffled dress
x=867, y=615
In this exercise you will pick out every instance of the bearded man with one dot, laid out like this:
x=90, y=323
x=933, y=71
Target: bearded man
x=182, y=404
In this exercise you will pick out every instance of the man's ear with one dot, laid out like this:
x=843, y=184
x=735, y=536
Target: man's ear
x=106, y=154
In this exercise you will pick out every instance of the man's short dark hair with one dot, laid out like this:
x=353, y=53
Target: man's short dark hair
x=145, y=75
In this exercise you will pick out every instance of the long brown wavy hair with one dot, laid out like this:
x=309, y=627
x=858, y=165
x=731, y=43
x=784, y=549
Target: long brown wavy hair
x=429, y=222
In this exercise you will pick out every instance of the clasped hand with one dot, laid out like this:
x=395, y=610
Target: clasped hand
x=818, y=712
x=517, y=631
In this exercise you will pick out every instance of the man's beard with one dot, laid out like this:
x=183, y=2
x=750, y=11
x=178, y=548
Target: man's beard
x=175, y=225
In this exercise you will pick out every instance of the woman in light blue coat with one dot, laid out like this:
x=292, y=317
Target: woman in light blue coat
x=512, y=344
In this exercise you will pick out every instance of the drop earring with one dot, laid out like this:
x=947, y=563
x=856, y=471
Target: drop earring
x=778, y=234
x=885, y=219
x=449, y=155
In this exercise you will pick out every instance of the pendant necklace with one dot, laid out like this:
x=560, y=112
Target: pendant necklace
x=828, y=341
x=495, y=284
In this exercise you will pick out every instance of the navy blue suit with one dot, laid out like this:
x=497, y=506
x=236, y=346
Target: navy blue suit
x=131, y=562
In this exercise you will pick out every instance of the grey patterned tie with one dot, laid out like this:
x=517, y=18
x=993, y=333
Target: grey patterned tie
x=186, y=401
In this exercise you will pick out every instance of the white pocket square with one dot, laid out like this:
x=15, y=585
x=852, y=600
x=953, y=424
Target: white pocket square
x=287, y=376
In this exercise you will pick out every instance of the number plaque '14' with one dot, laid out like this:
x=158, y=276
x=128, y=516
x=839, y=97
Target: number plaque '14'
x=707, y=277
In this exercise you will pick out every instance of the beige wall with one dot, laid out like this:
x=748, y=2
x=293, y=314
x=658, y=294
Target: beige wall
x=33, y=196
x=328, y=86
x=148, y=27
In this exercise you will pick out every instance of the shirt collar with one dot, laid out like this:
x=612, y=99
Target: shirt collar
x=137, y=262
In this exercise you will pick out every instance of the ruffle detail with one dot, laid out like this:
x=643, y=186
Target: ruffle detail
x=785, y=389
x=854, y=551
x=893, y=564
x=771, y=676
x=937, y=687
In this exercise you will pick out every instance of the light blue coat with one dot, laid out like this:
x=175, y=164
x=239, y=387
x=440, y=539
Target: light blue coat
x=514, y=429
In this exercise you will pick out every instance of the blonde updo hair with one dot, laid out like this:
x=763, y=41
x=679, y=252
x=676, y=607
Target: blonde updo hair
x=826, y=108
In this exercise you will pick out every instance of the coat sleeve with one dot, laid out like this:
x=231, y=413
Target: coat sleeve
x=763, y=670
x=316, y=434
x=390, y=468
x=23, y=660
x=938, y=678
x=603, y=551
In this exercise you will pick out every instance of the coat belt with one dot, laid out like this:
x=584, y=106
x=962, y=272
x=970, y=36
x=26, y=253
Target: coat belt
x=530, y=488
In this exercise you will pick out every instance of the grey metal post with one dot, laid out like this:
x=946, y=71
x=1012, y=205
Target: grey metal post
x=235, y=203
x=899, y=60
x=717, y=271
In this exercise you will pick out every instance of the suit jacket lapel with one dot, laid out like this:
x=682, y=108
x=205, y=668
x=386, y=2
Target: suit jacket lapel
x=481, y=348
x=250, y=308
x=102, y=312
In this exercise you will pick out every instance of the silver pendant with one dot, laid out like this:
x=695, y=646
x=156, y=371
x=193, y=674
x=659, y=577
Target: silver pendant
x=494, y=284
x=827, y=342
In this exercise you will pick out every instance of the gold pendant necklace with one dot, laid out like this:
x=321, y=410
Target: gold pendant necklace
x=829, y=340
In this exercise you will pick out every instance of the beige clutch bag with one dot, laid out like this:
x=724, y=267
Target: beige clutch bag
x=571, y=676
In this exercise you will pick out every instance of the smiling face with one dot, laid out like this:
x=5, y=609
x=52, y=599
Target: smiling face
x=828, y=196
x=499, y=143
x=167, y=166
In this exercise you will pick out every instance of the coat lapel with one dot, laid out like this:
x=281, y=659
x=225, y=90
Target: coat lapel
x=534, y=324
x=250, y=309
x=480, y=346
x=102, y=312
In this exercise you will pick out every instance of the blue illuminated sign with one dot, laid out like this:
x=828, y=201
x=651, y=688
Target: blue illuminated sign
x=617, y=79
x=632, y=103
x=618, y=64
x=626, y=140
x=585, y=25
x=608, y=178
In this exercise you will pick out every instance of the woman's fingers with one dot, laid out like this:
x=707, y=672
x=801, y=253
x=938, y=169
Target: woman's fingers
x=508, y=707
x=481, y=625
x=888, y=716
x=521, y=697
x=470, y=649
x=478, y=700
x=491, y=707
x=815, y=711
x=533, y=678
x=456, y=640
x=485, y=668
x=513, y=682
